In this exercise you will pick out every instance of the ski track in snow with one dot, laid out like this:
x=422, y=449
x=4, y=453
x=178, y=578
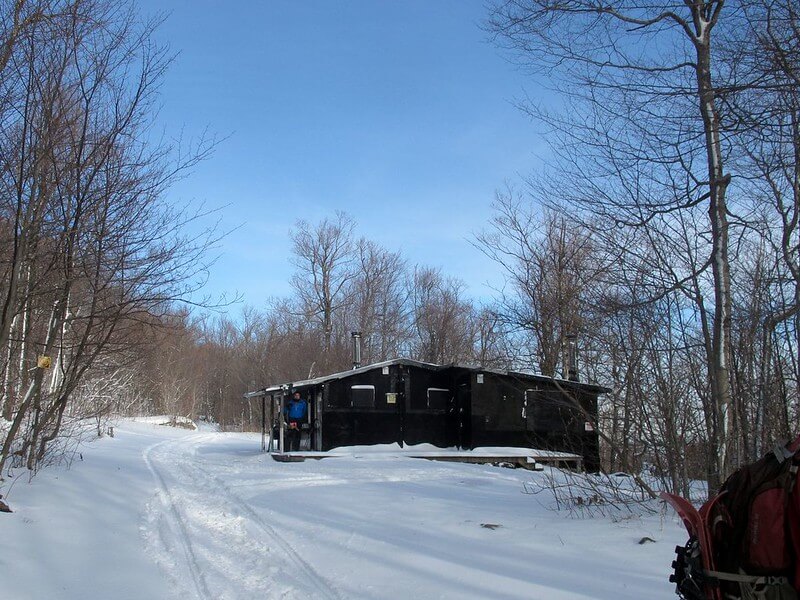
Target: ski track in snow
x=182, y=534
x=234, y=547
x=323, y=588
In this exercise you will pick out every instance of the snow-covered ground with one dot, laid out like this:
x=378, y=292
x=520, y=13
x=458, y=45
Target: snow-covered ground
x=164, y=513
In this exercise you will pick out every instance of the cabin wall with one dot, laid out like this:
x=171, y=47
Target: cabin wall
x=462, y=410
x=589, y=437
x=560, y=419
x=456, y=407
x=410, y=406
x=429, y=408
x=349, y=420
x=497, y=411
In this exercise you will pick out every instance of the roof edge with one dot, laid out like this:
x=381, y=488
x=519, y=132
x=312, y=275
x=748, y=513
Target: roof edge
x=434, y=367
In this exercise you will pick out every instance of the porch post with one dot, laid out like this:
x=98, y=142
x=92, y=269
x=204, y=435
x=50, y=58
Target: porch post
x=264, y=422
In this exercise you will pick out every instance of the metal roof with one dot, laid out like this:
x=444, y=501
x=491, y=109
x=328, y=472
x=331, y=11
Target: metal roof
x=433, y=367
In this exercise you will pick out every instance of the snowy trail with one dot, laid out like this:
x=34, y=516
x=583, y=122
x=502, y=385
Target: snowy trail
x=181, y=534
x=228, y=549
x=168, y=514
x=229, y=523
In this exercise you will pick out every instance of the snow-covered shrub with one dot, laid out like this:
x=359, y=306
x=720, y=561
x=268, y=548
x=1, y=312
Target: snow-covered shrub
x=617, y=495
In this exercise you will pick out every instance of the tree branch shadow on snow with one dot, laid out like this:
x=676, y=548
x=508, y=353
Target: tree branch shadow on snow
x=586, y=495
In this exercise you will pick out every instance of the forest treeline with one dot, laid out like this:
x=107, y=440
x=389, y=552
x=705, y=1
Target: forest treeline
x=662, y=234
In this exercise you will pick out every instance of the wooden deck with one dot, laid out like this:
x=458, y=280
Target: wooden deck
x=532, y=460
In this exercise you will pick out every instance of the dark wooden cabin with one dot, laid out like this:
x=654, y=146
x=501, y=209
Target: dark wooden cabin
x=409, y=402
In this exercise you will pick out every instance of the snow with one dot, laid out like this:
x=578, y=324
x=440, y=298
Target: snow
x=166, y=513
x=388, y=450
x=168, y=420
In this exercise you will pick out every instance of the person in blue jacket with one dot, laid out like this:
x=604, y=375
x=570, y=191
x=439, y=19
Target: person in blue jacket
x=296, y=413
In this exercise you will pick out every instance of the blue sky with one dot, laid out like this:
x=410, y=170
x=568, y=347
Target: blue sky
x=398, y=112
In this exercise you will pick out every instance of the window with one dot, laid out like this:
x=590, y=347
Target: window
x=362, y=396
x=547, y=410
x=438, y=398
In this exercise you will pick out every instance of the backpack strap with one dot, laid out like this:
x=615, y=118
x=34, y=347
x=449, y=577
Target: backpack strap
x=742, y=578
x=782, y=452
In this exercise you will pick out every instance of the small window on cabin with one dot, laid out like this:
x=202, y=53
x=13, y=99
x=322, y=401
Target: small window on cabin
x=549, y=411
x=438, y=398
x=362, y=396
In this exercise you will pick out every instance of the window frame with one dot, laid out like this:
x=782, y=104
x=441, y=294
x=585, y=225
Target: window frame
x=438, y=389
x=361, y=387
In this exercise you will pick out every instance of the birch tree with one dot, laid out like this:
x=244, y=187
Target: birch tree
x=641, y=88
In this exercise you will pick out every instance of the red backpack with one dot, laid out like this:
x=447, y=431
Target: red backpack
x=743, y=542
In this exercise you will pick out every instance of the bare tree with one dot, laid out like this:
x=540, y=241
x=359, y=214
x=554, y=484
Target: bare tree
x=379, y=301
x=323, y=255
x=490, y=341
x=764, y=113
x=649, y=117
x=96, y=249
x=441, y=317
x=549, y=269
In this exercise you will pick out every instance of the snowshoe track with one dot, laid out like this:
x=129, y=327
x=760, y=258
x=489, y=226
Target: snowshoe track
x=179, y=459
x=182, y=534
x=323, y=588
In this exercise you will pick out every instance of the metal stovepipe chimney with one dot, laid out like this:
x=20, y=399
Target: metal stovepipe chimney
x=356, y=349
x=572, y=357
